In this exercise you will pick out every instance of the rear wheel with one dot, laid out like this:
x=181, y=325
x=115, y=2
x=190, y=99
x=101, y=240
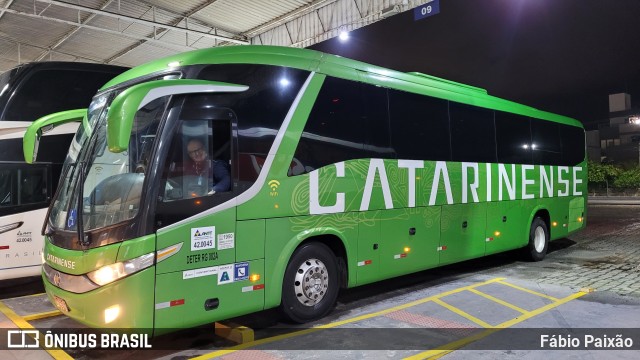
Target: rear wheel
x=310, y=286
x=538, y=240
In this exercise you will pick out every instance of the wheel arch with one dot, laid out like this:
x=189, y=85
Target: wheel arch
x=543, y=213
x=330, y=237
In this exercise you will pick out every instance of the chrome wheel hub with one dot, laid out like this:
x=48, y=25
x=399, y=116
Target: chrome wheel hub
x=539, y=239
x=311, y=282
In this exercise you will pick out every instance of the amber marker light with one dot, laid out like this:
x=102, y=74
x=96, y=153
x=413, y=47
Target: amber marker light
x=580, y=219
x=198, y=202
x=407, y=249
x=555, y=223
x=496, y=233
x=254, y=277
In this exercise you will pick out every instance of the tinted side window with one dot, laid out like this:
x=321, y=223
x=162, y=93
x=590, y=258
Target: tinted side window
x=376, y=122
x=545, y=136
x=53, y=148
x=23, y=188
x=50, y=91
x=419, y=126
x=334, y=131
x=513, y=138
x=7, y=188
x=573, y=146
x=260, y=110
x=472, y=133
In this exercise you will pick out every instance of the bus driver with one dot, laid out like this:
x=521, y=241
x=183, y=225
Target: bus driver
x=216, y=172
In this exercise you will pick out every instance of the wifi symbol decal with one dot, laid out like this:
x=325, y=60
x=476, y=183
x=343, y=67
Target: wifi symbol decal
x=273, y=184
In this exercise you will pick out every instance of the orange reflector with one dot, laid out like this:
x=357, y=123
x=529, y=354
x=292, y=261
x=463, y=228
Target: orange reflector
x=407, y=249
x=254, y=277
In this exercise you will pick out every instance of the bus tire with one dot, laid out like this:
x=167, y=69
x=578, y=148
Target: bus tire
x=311, y=283
x=538, y=240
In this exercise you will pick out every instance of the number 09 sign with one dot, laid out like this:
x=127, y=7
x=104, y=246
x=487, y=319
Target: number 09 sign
x=426, y=10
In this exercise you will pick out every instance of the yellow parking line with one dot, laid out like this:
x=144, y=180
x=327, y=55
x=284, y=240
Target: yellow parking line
x=450, y=347
x=527, y=290
x=24, y=325
x=501, y=302
x=41, y=315
x=339, y=323
x=462, y=313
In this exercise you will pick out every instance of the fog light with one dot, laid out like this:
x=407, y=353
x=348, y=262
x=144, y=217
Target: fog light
x=111, y=313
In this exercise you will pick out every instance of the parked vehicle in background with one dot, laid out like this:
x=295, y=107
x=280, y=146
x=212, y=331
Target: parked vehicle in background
x=28, y=92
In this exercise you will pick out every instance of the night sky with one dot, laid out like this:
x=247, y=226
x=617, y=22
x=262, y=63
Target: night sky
x=563, y=56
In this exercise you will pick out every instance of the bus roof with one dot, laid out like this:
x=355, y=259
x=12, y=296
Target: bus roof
x=341, y=67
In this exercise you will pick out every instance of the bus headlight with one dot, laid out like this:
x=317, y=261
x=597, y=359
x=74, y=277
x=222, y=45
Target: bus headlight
x=113, y=272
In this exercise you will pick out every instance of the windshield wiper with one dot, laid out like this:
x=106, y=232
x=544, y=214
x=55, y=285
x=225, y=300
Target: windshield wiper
x=80, y=206
x=46, y=229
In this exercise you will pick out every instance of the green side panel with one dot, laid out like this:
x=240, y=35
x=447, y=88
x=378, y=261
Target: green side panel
x=559, y=218
x=204, y=253
x=463, y=229
x=507, y=225
x=409, y=240
x=79, y=262
x=576, y=213
x=250, y=240
x=283, y=236
x=181, y=303
x=133, y=248
x=368, y=261
x=88, y=308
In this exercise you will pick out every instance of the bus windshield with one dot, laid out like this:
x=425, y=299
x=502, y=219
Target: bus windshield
x=111, y=182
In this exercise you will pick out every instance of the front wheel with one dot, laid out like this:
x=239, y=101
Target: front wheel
x=538, y=240
x=310, y=286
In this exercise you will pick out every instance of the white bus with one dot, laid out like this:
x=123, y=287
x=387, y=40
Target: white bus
x=28, y=92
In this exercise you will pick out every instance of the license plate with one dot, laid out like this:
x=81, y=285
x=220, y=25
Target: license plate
x=60, y=304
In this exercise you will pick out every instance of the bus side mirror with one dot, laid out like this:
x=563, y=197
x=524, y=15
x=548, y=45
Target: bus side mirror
x=43, y=125
x=124, y=107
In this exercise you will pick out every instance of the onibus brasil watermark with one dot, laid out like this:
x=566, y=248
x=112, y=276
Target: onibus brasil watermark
x=30, y=339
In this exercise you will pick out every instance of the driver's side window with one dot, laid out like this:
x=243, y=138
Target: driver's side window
x=198, y=171
x=198, y=163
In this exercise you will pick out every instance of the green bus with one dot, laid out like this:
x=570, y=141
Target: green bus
x=225, y=181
